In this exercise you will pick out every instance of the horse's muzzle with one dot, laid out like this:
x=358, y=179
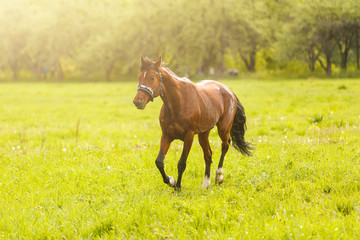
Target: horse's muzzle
x=139, y=103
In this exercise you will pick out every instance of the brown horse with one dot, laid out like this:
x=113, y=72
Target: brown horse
x=191, y=109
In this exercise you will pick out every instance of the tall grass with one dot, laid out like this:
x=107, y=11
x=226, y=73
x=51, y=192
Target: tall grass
x=77, y=162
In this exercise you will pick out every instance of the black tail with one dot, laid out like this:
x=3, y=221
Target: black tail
x=237, y=131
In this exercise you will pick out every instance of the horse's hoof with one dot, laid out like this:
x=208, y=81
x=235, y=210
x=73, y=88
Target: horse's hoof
x=206, y=182
x=172, y=182
x=219, y=179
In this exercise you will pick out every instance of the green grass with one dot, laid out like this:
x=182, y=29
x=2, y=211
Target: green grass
x=77, y=162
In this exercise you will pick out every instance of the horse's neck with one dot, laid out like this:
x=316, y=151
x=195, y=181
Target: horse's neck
x=173, y=90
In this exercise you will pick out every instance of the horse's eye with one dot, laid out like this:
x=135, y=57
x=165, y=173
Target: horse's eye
x=153, y=78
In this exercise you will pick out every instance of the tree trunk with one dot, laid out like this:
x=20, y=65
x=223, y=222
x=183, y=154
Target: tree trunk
x=311, y=59
x=328, y=50
x=109, y=70
x=343, y=54
x=344, y=49
x=311, y=65
x=249, y=60
x=328, y=65
x=252, y=61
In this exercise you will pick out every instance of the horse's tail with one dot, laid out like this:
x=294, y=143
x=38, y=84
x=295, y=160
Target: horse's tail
x=238, y=129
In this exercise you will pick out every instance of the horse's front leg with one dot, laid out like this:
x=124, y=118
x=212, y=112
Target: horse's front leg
x=188, y=140
x=164, y=147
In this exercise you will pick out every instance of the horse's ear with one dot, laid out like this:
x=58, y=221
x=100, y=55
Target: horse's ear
x=158, y=62
x=142, y=60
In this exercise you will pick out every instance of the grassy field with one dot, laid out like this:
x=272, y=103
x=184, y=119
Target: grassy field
x=77, y=162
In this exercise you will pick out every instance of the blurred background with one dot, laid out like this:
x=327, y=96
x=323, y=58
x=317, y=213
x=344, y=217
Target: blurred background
x=88, y=40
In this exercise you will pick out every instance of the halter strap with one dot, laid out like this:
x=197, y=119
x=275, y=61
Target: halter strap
x=148, y=89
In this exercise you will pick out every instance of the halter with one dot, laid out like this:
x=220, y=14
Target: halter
x=148, y=89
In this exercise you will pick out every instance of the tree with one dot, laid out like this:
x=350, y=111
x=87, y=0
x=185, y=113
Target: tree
x=14, y=33
x=346, y=29
x=316, y=29
x=247, y=27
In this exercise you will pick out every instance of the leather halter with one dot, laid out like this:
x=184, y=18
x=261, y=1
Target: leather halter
x=148, y=89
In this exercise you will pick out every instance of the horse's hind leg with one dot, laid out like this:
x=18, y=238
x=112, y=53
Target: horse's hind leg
x=204, y=143
x=224, y=134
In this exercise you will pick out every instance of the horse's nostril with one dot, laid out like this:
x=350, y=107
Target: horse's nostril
x=137, y=101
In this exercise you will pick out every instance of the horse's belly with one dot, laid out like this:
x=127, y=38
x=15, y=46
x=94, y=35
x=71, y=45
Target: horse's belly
x=207, y=122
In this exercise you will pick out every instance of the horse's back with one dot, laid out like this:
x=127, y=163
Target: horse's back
x=215, y=91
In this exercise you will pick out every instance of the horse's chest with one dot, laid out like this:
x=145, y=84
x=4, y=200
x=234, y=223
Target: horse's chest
x=172, y=128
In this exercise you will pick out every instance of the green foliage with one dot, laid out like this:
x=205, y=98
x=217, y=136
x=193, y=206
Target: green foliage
x=83, y=38
x=77, y=162
x=315, y=29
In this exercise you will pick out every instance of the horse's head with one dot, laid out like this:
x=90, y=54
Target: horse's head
x=150, y=82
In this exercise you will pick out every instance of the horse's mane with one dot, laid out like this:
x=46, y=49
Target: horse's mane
x=168, y=70
x=147, y=63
